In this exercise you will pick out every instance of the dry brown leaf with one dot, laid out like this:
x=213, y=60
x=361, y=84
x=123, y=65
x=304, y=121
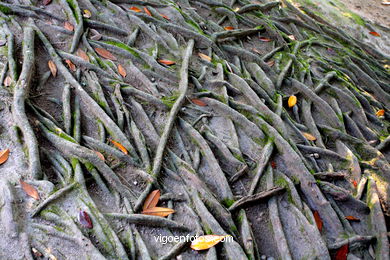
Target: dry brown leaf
x=318, y=220
x=167, y=62
x=265, y=39
x=135, y=9
x=198, y=102
x=352, y=218
x=68, y=26
x=105, y=53
x=165, y=17
x=119, y=146
x=292, y=100
x=46, y=2
x=270, y=63
x=147, y=11
x=206, y=242
x=256, y=50
x=70, y=64
x=100, y=155
x=122, y=71
x=228, y=28
x=375, y=34
x=152, y=200
x=158, y=211
x=82, y=55
x=87, y=13
x=4, y=154
x=52, y=67
x=29, y=190
x=7, y=81
x=204, y=56
x=309, y=137
x=380, y=113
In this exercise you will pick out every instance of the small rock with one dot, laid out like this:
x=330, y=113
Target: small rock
x=263, y=257
x=135, y=183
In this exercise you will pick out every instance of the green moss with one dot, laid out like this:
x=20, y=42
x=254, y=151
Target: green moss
x=124, y=47
x=5, y=10
x=170, y=100
x=228, y=202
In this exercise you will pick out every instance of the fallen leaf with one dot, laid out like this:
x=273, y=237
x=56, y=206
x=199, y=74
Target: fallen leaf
x=318, y=220
x=352, y=218
x=68, y=26
x=354, y=183
x=4, y=154
x=165, y=17
x=256, y=50
x=385, y=3
x=342, y=253
x=95, y=35
x=84, y=219
x=167, y=62
x=198, y=102
x=273, y=164
x=70, y=64
x=204, y=56
x=386, y=66
x=29, y=190
x=228, y=28
x=36, y=252
x=292, y=100
x=105, y=53
x=122, y=70
x=3, y=42
x=100, y=155
x=206, y=242
x=292, y=37
x=83, y=55
x=119, y=146
x=147, y=11
x=265, y=39
x=152, y=200
x=380, y=113
x=7, y=81
x=46, y=2
x=309, y=137
x=87, y=13
x=158, y=211
x=52, y=67
x=135, y=9
x=375, y=34
x=270, y=63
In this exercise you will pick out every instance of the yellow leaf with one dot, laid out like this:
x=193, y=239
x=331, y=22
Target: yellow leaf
x=309, y=137
x=380, y=113
x=122, y=71
x=4, y=156
x=52, y=67
x=29, y=189
x=119, y=146
x=206, y=242
x=292, y=100
x=204, y=56
x=87, y=13
x=158, y=211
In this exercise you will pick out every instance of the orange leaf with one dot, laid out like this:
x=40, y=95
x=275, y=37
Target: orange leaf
x=147, y=11
x=355, y=184
x=70, y=64
x=273, y=164
x=309, y=136
x=68, y=26
x=152, y=200
x=167, y=62
x=4, y=156
x=165, y=17
x=158, y=211
x=375, y=34
x=292, y=100
x=228, y=28
x=206, y=242
x=380, y=113
x=342, y=253
x=52, y=67
x=204, y=56
x=29, y=190
x=352, y=218
x=87, y=13
x=82, y=55
x=198, y=102
x=100, y=155
x=7, y=81
x=119, y=146
x=135, y=9
x=265, y=39
x=318, y=220
x=122, y=71
x=105, y=53
x=270, y=63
